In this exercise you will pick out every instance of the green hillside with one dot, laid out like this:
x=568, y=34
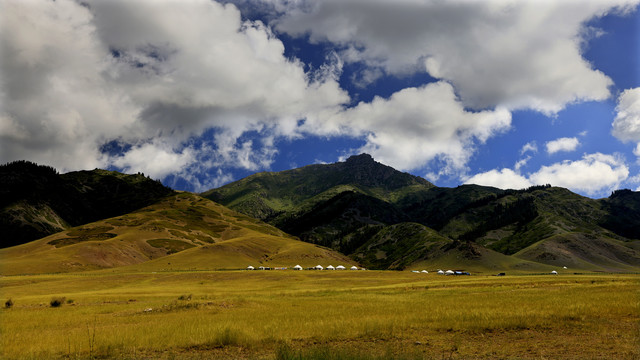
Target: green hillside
x=622, y=213
x=363, y=209
x=398, y=246
x=182, y=231
x=375, y=215
x=36, y=201
x=268, y=195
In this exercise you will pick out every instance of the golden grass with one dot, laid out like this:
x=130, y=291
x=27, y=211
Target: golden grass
x=330, y=315
x=181, y=232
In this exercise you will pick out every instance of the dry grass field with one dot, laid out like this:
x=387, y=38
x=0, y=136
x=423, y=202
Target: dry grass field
x=319, y=315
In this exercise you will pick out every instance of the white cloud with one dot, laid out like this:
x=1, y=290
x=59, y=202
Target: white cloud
x=634, y=179
x=55, y=105
x=592, y=175
x=502, y=179
x=562, y=144
x=530, y=146
x=522, y=162
x=636, y=151
x=519, y=54
x=157, y=75
x=416, y=126
x=151, y=74
x=626, y=125
x=155, y=159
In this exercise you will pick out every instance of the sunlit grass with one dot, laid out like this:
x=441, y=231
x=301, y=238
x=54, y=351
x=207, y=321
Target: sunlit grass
x=289, y=315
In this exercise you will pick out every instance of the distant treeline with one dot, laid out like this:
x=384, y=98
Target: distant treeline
x=25, y=165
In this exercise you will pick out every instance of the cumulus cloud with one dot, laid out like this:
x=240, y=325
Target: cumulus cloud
x=626, y=125
x=55, y=104
x=592, y=175
x=416, y=126
x=153, y=75
x=502, y=179
x=524, y=54
x=562, y=144
x=155, y=159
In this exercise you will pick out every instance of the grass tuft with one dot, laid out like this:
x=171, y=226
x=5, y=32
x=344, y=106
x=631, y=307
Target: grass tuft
x=228, y=337
x=8, y=304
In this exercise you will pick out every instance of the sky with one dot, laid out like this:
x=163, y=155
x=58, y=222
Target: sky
x=199, y=93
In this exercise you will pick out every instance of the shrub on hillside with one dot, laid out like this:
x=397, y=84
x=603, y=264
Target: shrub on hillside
x=8, y=304
x=57, y=301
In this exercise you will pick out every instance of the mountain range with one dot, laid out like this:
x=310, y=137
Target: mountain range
x=385, y=218
x=353, y=212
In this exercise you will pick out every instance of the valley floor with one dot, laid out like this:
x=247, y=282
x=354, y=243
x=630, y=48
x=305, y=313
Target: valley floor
x=319, y=315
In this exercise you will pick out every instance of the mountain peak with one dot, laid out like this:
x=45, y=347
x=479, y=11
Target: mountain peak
x=364, y=170
x=360, y=159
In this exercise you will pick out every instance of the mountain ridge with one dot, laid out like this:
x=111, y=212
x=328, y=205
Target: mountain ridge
x=346, y=214
x=380, y=217
x=36, y=201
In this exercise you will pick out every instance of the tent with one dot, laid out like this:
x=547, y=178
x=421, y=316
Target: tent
x=425, y=271
x=297, y=267
x=340, y=267
x=319, y=267
x=330, y=267
x=440, y=272
x=250, y=267
x=449, y=272
x=354, y=268
x=554, y=272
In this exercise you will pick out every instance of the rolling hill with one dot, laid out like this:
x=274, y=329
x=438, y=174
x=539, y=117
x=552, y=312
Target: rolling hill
x=378, y=217
x=392, y=220
x=36, y=201
x=181, y=232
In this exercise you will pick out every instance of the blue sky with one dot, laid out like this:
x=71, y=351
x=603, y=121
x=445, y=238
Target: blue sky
x=200, y=93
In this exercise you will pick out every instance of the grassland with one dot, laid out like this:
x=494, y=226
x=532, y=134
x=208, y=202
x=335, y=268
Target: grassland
x=183, y=231
x=319, y=315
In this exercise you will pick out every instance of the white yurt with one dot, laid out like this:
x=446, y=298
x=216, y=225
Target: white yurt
x=449, y=272
x=250, y=267
x=330, y=267
x=354, y=268
x=440, y=272
x=424, y=271
x=554, y=272
x=297, y=267
x=340, y=267
x=319, y=267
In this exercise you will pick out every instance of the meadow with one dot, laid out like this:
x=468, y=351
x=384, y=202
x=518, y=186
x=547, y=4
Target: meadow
x=319, y=315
